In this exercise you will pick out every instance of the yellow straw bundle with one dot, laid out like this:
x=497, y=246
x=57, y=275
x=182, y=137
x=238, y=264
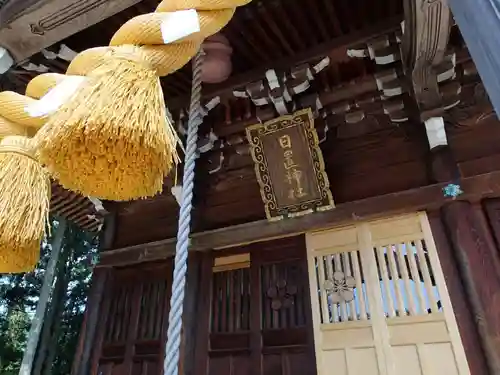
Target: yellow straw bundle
x=24, y=204
x=123, y=147
x=112, y=139
x=10, y=128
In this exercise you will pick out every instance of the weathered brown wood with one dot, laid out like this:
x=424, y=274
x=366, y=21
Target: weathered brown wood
x=255, y=313
x=477, y=258
x=50, y=21
x=462, y=308
x=203, y=322
x=81, y=362
x=277, y=329
x=14, y=8
x=427, y=197
x=191, y=316
x=108, y=232
x=316, y=52
x=478, y=263
x=492, y=208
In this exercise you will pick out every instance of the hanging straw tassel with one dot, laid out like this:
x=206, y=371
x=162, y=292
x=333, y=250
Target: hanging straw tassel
x=121, y=148
x=111, y=138
x=24, y=204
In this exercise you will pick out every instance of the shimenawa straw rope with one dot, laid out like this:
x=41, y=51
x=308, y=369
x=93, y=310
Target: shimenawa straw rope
x=111, y=139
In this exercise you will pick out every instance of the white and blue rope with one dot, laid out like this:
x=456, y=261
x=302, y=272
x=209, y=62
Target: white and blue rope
x=172, y=349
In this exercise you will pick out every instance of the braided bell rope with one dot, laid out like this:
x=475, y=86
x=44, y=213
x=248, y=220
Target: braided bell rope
x=172, y=348
x=143, y=31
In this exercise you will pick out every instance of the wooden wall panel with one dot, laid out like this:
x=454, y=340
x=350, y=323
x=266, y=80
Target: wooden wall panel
x=385, y=161
x=133, y=320
x=471, y=231
x=379, y=163
x=257, y=319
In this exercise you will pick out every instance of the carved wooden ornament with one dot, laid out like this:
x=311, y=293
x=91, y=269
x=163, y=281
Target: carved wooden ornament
x=289, y=166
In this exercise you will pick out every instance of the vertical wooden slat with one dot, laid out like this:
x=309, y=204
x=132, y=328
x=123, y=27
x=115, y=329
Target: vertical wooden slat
x=359, y=286
x=93, y=316
x=108, y=330
x=406, y=279
x=343, y=305
x=159, y=308
x=207, y=280
x=224, y=306
x=293, y=321
x=153, y=302
x=215, y=301
x=101, y=327
x=245, y=301
x=265, y=284
x=238, y=298
x=426, y=275
x=191, y=313
x=255, y=315
x=231, y=326
x=395, y=281
x=322, y=293
x=380, y=331
x=386, y=282
x=144, y=301
x=273, y=282
x=348, y=272
x=118, y=316
x=131, y=329
x=410, y=253
x=306, y=303
x=284, y=312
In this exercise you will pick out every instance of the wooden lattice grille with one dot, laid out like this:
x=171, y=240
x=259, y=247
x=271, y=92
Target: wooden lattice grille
x=259, y=320
x=379, y=300
x=134, y=321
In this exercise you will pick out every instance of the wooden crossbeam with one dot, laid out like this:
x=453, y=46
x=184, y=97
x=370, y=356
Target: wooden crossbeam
x=423, y=198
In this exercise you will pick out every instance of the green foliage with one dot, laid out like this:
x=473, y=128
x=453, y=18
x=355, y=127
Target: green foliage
x=19, y=295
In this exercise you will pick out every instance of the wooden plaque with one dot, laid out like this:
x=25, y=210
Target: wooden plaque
x=289, y=166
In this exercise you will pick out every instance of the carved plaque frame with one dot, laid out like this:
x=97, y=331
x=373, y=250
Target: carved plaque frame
x=301, y=124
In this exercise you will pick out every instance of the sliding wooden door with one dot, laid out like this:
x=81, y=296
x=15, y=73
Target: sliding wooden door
x=255, y=314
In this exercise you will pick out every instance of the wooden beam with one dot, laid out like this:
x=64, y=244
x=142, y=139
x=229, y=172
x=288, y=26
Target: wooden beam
x=422, y=198
x=318, y=51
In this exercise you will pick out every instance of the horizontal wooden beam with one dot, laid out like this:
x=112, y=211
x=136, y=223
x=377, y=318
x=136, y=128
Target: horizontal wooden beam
x=422, y=198
x=318, y=51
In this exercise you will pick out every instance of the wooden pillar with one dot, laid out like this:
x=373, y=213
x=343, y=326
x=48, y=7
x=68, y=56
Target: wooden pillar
x=108, y=232
x=203, y=321
x=462, y=225
x=83, y=354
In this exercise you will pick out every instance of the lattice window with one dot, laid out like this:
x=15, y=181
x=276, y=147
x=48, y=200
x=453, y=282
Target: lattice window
x=341, y=288
x=283, y=295
x=119, y=315
x=231, y=301
x=153, y=299
x=406, y=279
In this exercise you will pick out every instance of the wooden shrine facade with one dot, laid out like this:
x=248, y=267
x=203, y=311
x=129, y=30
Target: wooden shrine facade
x=249, y=307
x=400, y=114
